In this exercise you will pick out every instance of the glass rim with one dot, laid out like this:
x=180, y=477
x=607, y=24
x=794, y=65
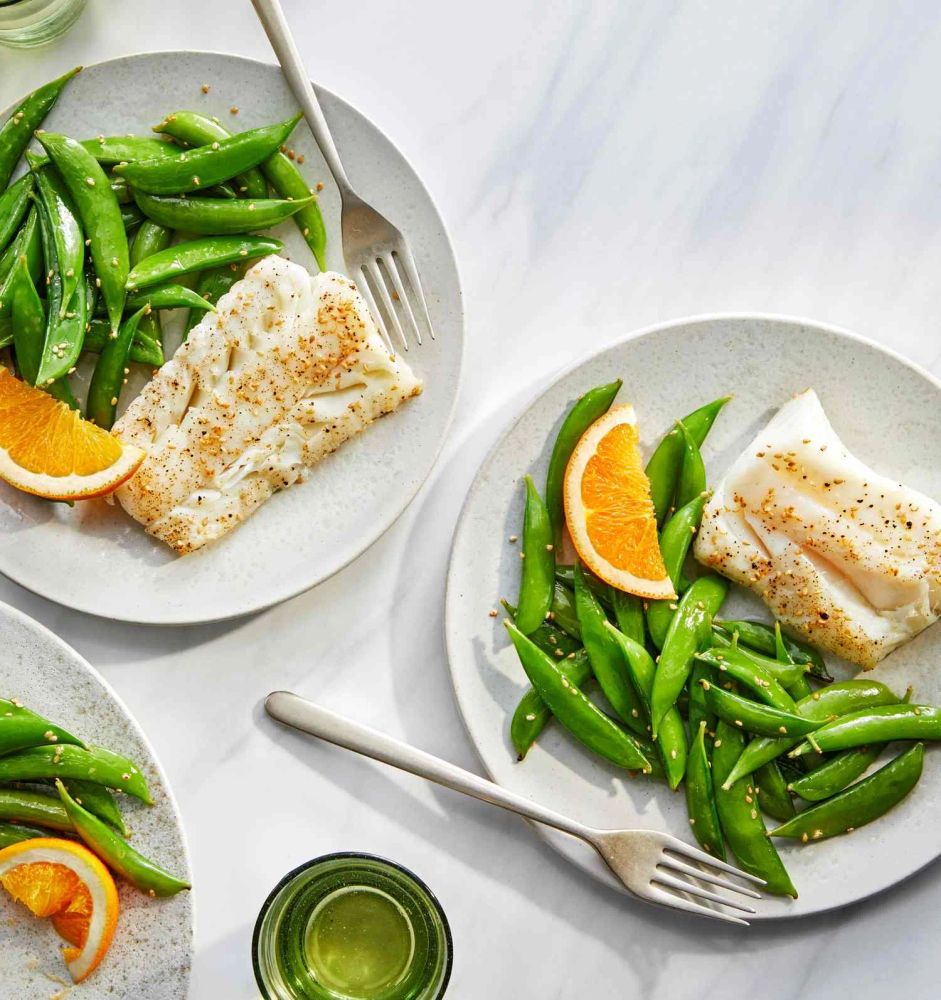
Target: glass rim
x=355, y=856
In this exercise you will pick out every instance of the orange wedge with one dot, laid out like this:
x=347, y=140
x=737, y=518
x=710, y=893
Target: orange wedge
x=608, y=510
x=64, y=881
x=47, y=449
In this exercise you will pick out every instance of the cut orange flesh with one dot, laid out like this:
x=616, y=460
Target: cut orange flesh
x=47, y=449
x=608, y=510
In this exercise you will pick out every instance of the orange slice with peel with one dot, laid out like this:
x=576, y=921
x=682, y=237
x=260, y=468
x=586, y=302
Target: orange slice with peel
x=64, y=881
x=608, y=510
x=47, y=449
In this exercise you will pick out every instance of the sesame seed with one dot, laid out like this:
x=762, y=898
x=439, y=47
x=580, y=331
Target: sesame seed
x=492, y=612
x=233, y=110
x=205, y=88
x=90, y=181
x=514, y=538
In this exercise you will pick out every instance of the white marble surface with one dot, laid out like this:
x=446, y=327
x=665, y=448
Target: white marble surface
x=601, y=166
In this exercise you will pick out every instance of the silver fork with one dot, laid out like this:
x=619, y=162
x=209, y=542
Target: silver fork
x=372, y=247
x=654, y=866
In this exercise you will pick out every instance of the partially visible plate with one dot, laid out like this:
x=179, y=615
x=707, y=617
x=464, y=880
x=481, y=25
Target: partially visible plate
x=95, y=558
x=886, y=410
x=153, y=947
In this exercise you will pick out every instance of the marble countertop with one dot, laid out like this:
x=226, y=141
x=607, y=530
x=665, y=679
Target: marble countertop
x=601, y=166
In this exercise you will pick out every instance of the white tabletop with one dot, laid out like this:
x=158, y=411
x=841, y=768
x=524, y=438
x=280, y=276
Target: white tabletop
x=601, y=166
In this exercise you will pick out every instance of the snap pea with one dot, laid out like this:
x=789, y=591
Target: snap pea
x=117, y=853
x=760, y=637
x=538, y=572
x=563, y=611
x=733, y=664
x=532, y=713
x=784, y=672
x=17, y=806
x=204, y=166
x=212, y=285
x=675, y=539
x=835, y=774
x=29, y=323
x=18, y=129
x=549, y=637
x=799, y=688
x=740, y=818
x=692, y=479
x=701, y=797
x=149, y=239
x=131, y=218
x=859, y=804
x=68, y=761
x=566, y=574
x=13, y=833
x=98, y=800
x=881, y=724
x=670, y=743
x=607, y=661
x=194, y=129
x=108, y=378
x=14, y=203
x=772, y=791
x=144, y=351
x=692, y=619
x=26, y=244
x=101, y=217
x=168, y=296
x=195, y=255
x=21, y=728
x=218, y=216
x=111, y=149
x=586, y=410
x=629, y=614
x=822, y=706
x=663, y=469
x=697, y=710
x=753, y=717
x=289, y=182
x=581, y=717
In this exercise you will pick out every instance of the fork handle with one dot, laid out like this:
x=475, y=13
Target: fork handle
x=304, y=715
x=279, y=34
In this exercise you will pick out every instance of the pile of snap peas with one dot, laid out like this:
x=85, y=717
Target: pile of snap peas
x=89, y=258
x=748, y=719
x=36, y=754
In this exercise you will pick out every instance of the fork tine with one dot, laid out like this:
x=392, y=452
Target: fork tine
x=366, y=292
x=661, y=878
x=411, y=272
x=389, y=262
x=691, y=853
x=665, y=898
x=372, y=270
x=724, y=883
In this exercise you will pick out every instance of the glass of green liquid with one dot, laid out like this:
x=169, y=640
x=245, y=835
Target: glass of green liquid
x=351, y=927
x=27, y=23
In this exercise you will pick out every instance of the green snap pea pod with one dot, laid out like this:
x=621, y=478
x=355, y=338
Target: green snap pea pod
x=21, y=728
x=14, y=203
x=607, y=661
x=131, y=218
x=733, y=664
x=701, y=797
x=773, y=795
x=753, y=717
x=186, y=258
x=289, y=182
x=67, y=761
x=882, y=724
x=586, y=410
x=100, y=213
x=822, y=706
x=697, y=710
x=663, y=469
x=532, y=714
x=800, y=688
x=144, y=351
x=122, y=192
x=34, y=808
x=692, y=480
x=26, y=244
x=168, y=296
x=204, y=166
x=580, y=716
x=760, y=637
x=218, y=216
x=629, y=614
x=111, y=149
x=740, y=818
x=149, y=239
x=98, y=800
x=563, y=611
x=194, y=129
x=18, y=129
x=835, y=774
x=108, y=377
x=693, y=612
x=675, y=540
x=117, y=853
x=860, y=803
x=549, y=637
x=538, y=574
x=785, y=673
x=13, y=833
x=29, y=323
x=566, y=574
x=670, y=743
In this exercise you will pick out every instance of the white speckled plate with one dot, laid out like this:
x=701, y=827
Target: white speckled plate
x=887, y=411
x=307, y=533
x=153, y=947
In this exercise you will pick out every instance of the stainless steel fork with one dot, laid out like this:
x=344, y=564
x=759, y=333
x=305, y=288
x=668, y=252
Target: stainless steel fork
x=374, y=250
x=654, y=866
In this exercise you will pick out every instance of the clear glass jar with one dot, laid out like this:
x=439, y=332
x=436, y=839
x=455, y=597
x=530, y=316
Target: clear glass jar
x=351, y=927
x=27, y=23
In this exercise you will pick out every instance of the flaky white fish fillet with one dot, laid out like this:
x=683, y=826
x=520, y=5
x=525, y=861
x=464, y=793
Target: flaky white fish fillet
x=848, y=558
x=287, y=369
